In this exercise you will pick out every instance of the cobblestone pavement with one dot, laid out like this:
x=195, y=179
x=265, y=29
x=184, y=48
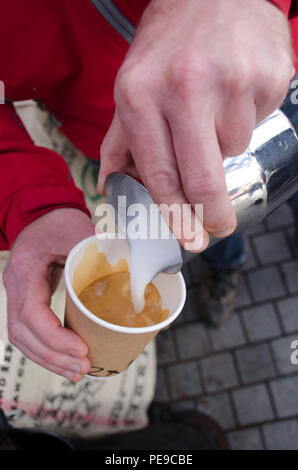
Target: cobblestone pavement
x=241, y=374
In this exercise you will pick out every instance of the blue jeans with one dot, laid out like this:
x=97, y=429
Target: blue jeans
x=230, y=252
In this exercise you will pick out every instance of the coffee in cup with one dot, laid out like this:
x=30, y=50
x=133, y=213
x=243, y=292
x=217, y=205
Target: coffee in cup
x=112, y=346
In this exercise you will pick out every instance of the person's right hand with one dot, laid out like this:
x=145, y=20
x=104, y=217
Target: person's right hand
x=197, y=78
x=30, y=277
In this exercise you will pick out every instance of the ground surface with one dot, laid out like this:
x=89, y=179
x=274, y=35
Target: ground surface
x=241, y=374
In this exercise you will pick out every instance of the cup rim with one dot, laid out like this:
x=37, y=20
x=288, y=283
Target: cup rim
x=113, y=326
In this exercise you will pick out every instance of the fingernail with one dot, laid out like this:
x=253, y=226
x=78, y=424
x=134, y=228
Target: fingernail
x=73, y=353
x=75, y=368
x=223, y=233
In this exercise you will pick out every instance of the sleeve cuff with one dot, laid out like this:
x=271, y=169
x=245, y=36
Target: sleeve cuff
x=35, y=201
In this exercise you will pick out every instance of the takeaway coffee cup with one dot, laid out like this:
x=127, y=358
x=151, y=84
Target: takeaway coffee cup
x=112, y=348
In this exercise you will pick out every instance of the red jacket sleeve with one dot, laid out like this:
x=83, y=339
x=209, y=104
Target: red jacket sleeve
x=34, y=180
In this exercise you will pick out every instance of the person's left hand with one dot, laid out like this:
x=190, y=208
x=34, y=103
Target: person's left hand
x=31, y=276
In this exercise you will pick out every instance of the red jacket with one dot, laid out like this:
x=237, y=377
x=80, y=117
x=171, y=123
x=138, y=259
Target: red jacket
x=65, y=54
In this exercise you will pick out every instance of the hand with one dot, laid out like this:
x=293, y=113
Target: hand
x=197, y=79
x=30, y=277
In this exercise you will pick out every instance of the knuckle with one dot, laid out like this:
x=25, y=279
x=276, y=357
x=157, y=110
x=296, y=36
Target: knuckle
x=235, y=145
x=85, y=367
x=163, y=182
x=123, y=80
x=286, y=64
x=14, y=332
x=131, y=81
x=46, y=357
x=281, y=83
x=237, y=80
x=186, y=75
x=201, y=190
x=123, y=87
x=273, y=83
x=274, y=90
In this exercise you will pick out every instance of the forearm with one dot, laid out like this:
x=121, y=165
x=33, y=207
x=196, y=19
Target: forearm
x=35, y=180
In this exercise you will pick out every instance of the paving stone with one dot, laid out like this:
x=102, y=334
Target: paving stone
x=192, y=340
x=165, y=347
x=219, y=372
x=272, y=247
x=282, y=435
x=197, y=269
x=288, y=310
x=291, y=234
x=284, y=391
x=189, y=339
x=252, y=404
x=261, y=322
x=161, y=392
x=282, y=217
x=266, y=284
x=219, y=408
x=229, y=335
x=290, y=271
x=184, y=380
x=281, y=349
x=183, y=405
x=190, y=310
x=250, y=262
x=255, y=363
x=255, y=229
x=243, y=298
x=248, y=439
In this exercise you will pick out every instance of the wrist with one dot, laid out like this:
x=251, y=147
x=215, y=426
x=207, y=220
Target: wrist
x=55, y=232
x=35, y=201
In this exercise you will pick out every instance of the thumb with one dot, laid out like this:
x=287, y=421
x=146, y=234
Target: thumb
x=115, y=154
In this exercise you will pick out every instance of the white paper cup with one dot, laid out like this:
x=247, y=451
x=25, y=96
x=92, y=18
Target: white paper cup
x=112, y=348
